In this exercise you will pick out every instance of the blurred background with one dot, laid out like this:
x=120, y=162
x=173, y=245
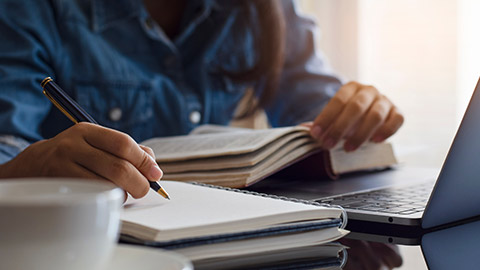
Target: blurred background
x=423, y=54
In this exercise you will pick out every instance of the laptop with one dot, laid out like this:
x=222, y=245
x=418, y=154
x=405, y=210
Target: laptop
x=403, y=213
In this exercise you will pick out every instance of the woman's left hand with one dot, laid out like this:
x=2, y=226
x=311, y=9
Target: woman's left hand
x=357, y=113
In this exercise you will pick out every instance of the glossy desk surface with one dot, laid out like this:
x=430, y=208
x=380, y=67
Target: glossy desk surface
x=451, y=248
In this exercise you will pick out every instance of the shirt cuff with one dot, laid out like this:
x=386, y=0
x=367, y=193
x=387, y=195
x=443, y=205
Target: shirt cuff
x=11, y=146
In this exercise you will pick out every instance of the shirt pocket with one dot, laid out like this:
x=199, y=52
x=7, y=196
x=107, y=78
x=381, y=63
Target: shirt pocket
x=122, y=105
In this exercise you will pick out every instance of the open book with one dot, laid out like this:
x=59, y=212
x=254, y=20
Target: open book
x=238, y=157
x=208, y=223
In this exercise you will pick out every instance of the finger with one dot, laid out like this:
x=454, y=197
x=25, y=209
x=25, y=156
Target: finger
x=374, y=118
x=123, y=146
x=353, y=112
x=70, y=169
x=306, y=124
x=394, y=121
x=333, y=108
x=114, y=169
x=82, y=172
x=92, y=175
x=148, y=150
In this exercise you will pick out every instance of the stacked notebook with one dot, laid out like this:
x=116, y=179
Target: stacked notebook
x=209, y=224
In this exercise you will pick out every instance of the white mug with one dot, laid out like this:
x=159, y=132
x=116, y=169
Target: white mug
x=58, y=223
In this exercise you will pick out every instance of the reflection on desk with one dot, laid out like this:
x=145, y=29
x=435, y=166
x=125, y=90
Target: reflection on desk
x=371, y=255
x=349, y=254
x=453, y=248
x=331, y=256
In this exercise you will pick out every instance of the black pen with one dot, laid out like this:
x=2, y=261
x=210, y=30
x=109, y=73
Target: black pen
x=77, y=114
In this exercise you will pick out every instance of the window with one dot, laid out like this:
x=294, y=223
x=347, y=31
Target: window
x=424, y=55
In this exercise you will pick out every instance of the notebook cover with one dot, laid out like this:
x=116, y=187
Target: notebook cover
x=212, y=239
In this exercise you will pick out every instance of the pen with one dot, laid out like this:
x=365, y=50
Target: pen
x=77, y=114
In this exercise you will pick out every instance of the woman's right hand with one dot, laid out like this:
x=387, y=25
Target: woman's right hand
x=88, y=151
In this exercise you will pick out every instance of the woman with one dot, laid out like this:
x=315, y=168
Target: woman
x=161, y=68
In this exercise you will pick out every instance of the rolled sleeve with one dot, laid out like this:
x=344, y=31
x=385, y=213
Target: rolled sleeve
x=10, y=146
x=29, y=39
x=307, y=83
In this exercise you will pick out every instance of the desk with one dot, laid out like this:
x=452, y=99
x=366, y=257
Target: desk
x=360, y=250
x=411, y=256
x=453, y=248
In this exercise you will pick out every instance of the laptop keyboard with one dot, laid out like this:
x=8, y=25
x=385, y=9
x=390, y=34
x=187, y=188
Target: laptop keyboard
x=403, y=200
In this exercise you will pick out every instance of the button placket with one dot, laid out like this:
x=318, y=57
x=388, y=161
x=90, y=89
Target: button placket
x=170, y=62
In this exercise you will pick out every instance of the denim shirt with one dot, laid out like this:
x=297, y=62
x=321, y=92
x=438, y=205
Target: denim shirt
x=119, y=65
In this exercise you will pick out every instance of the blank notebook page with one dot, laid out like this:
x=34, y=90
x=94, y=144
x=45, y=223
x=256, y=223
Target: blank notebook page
x=215, y=210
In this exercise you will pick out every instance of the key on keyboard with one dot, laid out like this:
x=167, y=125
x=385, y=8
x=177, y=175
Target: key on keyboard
x=403, y=201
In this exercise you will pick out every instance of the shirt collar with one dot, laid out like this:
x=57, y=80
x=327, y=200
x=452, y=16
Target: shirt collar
x=106, y=12
x=197, y=11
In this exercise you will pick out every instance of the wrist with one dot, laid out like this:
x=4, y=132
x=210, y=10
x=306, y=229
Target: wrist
x=5, y=170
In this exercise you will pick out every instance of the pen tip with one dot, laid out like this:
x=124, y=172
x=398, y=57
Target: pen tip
x=164, y=194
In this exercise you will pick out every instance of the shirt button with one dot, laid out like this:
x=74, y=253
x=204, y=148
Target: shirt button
x=115, y=114
x=195, y=117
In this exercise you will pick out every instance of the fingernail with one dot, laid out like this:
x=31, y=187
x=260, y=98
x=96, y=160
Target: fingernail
x=155, y=173
x=316, y=132
x=329, y=143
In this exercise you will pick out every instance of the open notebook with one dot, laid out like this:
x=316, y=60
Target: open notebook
x=202, y=221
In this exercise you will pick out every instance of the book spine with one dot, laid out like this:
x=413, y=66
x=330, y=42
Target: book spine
x=283, y=198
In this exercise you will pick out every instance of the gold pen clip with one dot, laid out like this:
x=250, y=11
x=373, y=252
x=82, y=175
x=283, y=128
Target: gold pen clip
x=44, y=82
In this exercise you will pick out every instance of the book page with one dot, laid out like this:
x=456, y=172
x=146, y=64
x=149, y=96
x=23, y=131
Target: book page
x=368, y=156
x=235, y=161
x=241, y=177
x=209, y=129
x=215, y=144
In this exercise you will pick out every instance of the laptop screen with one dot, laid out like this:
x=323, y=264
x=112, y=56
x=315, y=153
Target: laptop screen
x=456, y=195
